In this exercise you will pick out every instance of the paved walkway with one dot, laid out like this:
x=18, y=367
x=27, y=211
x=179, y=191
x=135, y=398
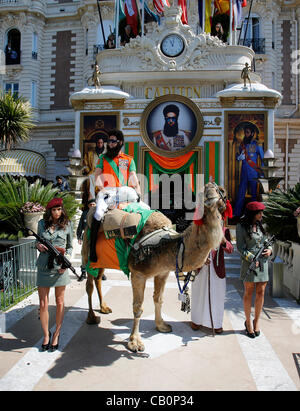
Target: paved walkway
x=96, y=357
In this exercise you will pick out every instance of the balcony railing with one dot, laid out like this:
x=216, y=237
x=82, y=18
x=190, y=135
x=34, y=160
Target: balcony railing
x=257, y=44
x=2, y=2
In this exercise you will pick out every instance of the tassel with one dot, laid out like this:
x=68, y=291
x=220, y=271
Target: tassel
x=197, y=221
x=228, y=212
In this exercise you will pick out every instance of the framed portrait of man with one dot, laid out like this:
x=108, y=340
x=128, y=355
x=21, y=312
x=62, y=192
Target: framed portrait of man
x=171, y=125
x=245, y=143
x=94, y=134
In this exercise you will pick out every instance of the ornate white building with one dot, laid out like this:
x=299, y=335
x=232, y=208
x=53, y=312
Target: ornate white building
x=56, y=44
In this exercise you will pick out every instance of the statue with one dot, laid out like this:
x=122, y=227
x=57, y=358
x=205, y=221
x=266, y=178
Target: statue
x=96, y=76
x=245, y=75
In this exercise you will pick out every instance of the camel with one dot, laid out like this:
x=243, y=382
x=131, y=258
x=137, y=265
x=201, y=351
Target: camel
x=198, y=239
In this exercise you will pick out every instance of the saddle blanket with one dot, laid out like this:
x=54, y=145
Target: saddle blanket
x=114, y=252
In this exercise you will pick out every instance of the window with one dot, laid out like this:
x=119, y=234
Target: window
x=33, y=94
x=13, y=88
x=13, y=47
x=251, y=34
x=34, y=46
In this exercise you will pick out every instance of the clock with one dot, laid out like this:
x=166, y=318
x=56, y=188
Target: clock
x=172, y=45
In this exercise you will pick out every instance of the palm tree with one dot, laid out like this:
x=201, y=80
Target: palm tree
x=15, y=119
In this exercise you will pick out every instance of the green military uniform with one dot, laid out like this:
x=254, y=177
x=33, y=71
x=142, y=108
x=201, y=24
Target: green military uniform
x=60, y=238
x=248, y=247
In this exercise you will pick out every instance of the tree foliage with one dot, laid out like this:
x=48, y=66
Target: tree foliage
x=15, y=119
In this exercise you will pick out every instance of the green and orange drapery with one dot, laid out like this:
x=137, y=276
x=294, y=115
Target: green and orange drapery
x=212, y=162
x=156, y=165
x=132, y=149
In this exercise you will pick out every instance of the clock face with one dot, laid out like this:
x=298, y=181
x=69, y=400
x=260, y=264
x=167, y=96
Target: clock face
x=172, y=45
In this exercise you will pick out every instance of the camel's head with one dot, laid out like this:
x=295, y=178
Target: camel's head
x=215, y=196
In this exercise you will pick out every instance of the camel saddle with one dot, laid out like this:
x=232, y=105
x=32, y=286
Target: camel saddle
x=120, y=224
x=143, y=248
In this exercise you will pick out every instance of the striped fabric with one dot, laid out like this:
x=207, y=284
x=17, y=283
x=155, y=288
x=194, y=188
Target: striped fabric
x=132, y=149
x=22, y=162
x=212, y=162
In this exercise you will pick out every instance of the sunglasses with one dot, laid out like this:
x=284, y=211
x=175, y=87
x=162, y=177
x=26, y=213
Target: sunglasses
x=171, y=118
x=112, y=141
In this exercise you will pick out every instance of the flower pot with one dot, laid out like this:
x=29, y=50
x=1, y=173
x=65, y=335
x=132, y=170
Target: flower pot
x=31, y=220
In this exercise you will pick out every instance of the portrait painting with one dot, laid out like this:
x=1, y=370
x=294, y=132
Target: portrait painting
x=93, y=139
x=95, y=127
x=245, y=146
x=171, y=125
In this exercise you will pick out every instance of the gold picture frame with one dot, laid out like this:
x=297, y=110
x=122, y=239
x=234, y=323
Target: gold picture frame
x=233, y=136
x=153, y=125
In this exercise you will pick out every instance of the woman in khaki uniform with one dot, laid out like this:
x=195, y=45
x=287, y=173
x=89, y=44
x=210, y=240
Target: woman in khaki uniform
x=250, y=236
x=56, y=228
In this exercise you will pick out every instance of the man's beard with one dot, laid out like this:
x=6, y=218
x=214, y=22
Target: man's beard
x=113, y=152
x=171, y=131
x=99, y=150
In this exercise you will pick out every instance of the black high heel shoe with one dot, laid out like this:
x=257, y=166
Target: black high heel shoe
x=45, y=347
x=251, y=335
x=54, y=347
x=257, y=333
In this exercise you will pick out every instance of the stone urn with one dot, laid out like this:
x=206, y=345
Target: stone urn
x=31, y=220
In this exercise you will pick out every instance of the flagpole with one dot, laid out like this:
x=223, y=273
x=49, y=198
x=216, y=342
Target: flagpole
x=203, y=15
x=143, y=18
x=117, y=22
x=247, y=22
x=101, y=22
x=230, y=23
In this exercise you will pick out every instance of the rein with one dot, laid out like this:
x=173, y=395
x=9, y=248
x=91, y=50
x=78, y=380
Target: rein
x=183, y=292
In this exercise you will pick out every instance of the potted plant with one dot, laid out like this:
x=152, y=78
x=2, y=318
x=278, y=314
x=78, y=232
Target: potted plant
x=279, y=213
x=33, y=212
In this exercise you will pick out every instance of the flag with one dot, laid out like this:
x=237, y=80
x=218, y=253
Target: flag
x=200, y=12
x=237, y=9
x=208, y=16
x=132, y=15
x=149, y=15
x=222, y=6
x=182, y=4
x=159, y=6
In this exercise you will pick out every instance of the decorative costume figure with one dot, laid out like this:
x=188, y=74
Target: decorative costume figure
x=249, y=153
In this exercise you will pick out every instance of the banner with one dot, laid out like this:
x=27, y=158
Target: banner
x=182, y=4
x=212, y=162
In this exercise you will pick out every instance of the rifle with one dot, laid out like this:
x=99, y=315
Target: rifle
x=257, y=256
x=57, y=255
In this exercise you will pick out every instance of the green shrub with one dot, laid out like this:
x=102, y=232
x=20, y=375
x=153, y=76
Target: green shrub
x=15, y=192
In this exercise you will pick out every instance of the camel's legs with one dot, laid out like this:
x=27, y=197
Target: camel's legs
x=138, y=282
x=159, y=286
x=104, y=309
x=91, y=318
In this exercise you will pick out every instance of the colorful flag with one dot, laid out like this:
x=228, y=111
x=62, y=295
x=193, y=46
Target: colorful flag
x=200, y=12
x=208, y=16
x=149, y=15
x=159, y=6
x=132, y=15
x=182, y=4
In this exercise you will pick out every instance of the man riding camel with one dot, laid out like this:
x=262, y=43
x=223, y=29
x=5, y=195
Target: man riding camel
x=114, y=169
